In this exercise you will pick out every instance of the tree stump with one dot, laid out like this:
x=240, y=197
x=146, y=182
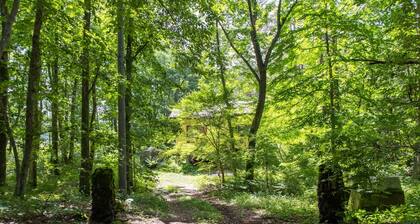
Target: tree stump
x=103, y=196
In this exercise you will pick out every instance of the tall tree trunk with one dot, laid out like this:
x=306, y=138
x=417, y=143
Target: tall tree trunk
x=54, y=116
x=73, y=122
x=122, y=135
x=262, y=89
x=93, y=119
x=226, y=99
x=260, y=74
x=4, y=77
x=86, y=169
x=31, y=98
x=416, y=165
x=129, y=70
x=33, y=172
x=330, y=181
x=416, y=148
x=252, y=137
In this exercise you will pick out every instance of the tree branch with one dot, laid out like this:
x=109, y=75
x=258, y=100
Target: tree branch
x=254, y=38
x=408, y=61
x=7, y=28
x=95, y=79
x=238, y=53
x=280, y=24
x=140, y=49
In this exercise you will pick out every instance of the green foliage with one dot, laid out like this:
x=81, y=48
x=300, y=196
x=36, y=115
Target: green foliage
x=146, y=180
x=56, y=199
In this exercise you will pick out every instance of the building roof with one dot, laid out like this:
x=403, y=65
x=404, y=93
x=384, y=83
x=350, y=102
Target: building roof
x=240, y=107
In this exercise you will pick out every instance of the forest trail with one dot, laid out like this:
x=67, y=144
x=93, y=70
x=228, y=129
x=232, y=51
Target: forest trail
x=188, y=205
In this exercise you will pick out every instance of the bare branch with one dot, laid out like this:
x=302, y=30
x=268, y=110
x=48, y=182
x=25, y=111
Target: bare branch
x=95, y=79
x=168, y=11
x=238, y=53
x=140, y=49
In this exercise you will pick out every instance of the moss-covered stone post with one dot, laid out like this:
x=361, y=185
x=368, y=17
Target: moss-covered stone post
x=330, y=194
x=103, y=196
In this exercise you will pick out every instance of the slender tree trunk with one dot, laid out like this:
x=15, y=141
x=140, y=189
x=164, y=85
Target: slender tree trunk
x=220, y=164
x=54, y=116
x=226, y=99
x=129, y=70
x=63, y=127
x=266, y=171
x=15, y=152
x=63, y=134
x=31, y=99
x=73, y=122
x=122, y=135
x=86, y=169
x=13, y=145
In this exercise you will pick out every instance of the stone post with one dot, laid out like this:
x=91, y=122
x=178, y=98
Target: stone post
x=103, y=196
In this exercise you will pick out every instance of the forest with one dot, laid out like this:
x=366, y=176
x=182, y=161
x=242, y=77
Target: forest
x=210, y=111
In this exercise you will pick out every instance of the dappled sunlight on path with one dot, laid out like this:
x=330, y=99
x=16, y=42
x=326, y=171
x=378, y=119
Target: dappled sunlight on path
x=187, y=205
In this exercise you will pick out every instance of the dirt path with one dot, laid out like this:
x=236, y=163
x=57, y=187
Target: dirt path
x=186, y=204
x=232, y=214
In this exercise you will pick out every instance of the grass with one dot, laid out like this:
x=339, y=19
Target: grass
x=150, y=204
x=297, y=209
x=178, y=180
x=201, y=211
x=172, y=189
